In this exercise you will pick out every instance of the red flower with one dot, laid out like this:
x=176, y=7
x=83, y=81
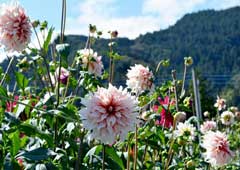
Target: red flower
x=11, y=105
x=166, y=117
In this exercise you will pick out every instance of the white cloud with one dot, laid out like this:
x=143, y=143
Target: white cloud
x=102, y=14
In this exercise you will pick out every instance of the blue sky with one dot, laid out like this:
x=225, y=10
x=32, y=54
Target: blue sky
x=130, y=17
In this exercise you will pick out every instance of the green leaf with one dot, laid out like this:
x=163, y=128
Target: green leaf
x=15, y=143
x=21, y=107
x=94, y=151
x=30, y=130
x=114, y=156
x=37, y=154
x=48, y=40
x=22, y=81
x=3, y=91
x=11, y=118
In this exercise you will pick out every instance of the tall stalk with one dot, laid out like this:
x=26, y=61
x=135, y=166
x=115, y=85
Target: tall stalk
x=6, y=72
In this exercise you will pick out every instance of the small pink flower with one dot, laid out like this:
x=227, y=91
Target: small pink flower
x=220, y=103
x=15, y=28
x=139, y=78
x=63, y=76
x=109, y=113
x=207, y=126
x=217, y=148
x=91, y=61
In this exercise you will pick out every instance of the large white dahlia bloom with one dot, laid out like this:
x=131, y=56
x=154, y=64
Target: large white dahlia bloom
x=15, y=28
x=109, y=114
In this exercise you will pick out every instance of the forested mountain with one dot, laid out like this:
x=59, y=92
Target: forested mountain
x=211, y=37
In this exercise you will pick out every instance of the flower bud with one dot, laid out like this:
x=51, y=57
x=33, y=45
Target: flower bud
x=206, y=114
x=114, y=34
x=188, y=61
x=92, y=28
x=180, y=116
x=35, y=23
x=190, y=164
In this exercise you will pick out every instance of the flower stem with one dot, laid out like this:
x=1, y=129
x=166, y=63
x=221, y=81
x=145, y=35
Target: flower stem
x=103, y=156
x=128, y=158
x=184, y=78
x=135, y=149
x=175, y=88
x=6, y=72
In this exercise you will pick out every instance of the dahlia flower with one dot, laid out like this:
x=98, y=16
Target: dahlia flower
x=207, y=126
x=15, y=28
x=139, y=78
x=91, y=61
x=185, y=129
x=227, y=118
x=109, y=113
x=217, y=148
x=220, y=103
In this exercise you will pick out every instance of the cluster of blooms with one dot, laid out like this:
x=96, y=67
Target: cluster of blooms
x=109, y=113
x=139, y=78
x=15, y=28
x=91, y=61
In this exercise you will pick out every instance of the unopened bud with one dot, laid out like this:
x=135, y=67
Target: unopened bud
x=180, y=116
x=35, y=23
x=190, y=164
x=206, y=114
x=114, y=34
x=92, y=28
x=188, y=61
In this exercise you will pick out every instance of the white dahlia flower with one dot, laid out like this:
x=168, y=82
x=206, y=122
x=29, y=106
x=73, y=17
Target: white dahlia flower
x=217, y=148
x=15, y=28
x=227, y=118
x=139, y=78
x=90, y=60
x=207, y=126
x=109, y=113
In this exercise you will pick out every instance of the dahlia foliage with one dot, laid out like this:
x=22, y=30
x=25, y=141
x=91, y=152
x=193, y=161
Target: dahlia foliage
x=63, y=108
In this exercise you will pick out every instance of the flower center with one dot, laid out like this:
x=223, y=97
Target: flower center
x=110, y=109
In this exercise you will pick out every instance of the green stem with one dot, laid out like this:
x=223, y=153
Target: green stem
x=103, y=156
x=184, y=78
x=175, y=88
x=135, y=149
x=128, y=157
x=6, y=72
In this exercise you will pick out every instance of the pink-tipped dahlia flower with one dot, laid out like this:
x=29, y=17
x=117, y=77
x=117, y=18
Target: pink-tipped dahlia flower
x=91, y=61
x=220, y=103
x=207, y=126
x=109, y=113
x=140, y=78
x=15, y=28
x=217, y=148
